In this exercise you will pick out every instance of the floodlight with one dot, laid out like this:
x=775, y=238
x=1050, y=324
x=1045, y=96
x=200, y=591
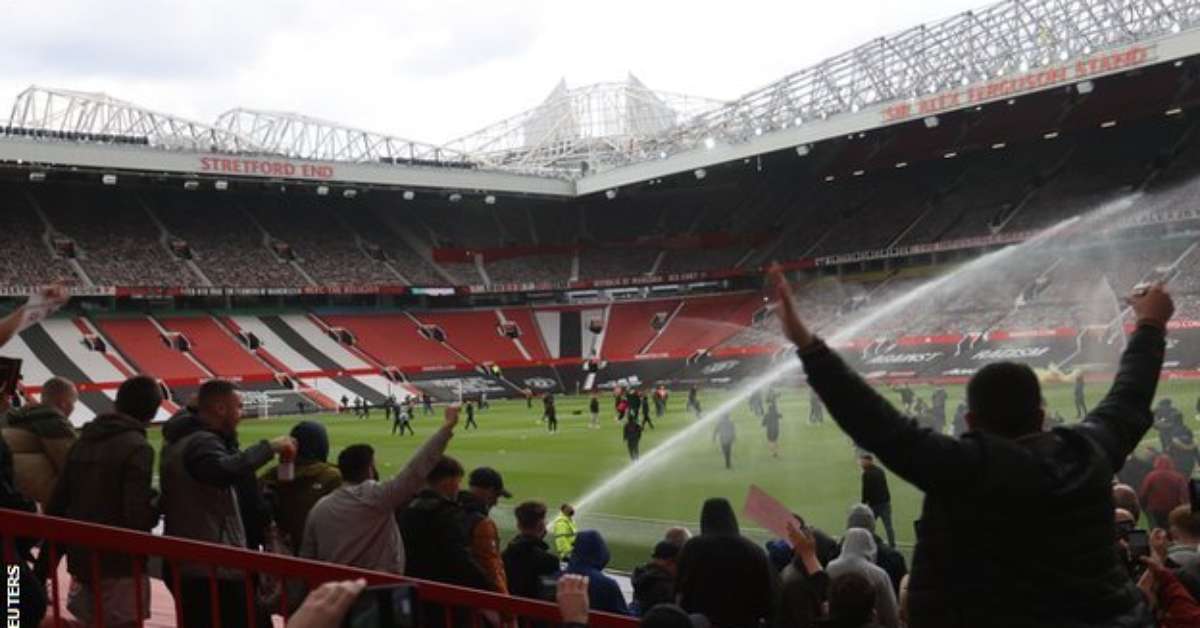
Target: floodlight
x=37, y=177
x=610, y=194
x=191, y=185
x=109, y=179
x=455, y=197
x=221, y=185
x=932, y=122
x=322, y=190
x=489, y=199
x=350, y=193
x=802, y=150
x=409, y=195
x=1085, y=87
x=700, y=173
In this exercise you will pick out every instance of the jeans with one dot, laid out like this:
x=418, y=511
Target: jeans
x=884, y=512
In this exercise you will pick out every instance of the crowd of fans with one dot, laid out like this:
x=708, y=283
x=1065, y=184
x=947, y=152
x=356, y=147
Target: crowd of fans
x=1022, y=525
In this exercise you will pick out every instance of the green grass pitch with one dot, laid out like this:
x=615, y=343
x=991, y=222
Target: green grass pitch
x=816, y=474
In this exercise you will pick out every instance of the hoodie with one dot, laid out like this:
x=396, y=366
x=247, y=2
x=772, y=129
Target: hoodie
x=723, y=575
x=589, y=558
x=355, y=524
x=888, y=559
x=39, y=438
x=107, y=480
x=1164, y=488
x=858, y=556
x=314, y=478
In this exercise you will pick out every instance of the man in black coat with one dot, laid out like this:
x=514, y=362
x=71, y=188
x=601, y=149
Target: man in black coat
x=1017, y=526
x=875, y=494
x=723, y=575
x=528, y=561
x=434, y=530
x=654, y=582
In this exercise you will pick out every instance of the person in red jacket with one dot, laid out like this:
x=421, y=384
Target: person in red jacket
x=1163, y=489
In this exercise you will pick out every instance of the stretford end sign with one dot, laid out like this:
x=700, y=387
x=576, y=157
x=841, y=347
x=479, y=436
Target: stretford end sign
x=265, y=168
x=1099, y=64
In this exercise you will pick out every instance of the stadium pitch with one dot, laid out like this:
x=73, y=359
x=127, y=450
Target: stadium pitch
x=816, y=474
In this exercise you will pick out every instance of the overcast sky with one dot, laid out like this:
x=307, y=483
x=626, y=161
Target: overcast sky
x=425, y=70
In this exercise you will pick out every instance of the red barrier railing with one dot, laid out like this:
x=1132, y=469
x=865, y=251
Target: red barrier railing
x=456, y=605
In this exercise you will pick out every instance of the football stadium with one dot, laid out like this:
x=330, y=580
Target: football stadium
x=949, y=278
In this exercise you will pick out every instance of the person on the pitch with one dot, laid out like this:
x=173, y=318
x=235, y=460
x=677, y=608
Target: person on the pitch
x=345, y=405
x=633, y=438
x=635, y=403
x=756, y=402
x=427, y=403
x=938, y=400
x=816, y=409
x=402, y=420
x=726, y=433
x=358, y=407
x=622, y=402
x=551, y=415
x=693, y=401
x=388, y=404
x=646, y=422
x=470, y=417
x=770, y=420
x=960, y=421
x=906, y=397
x=1080, y=399
x=660, y=402
x=594, y=409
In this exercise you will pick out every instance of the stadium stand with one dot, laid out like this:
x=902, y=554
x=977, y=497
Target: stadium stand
x=227, y=244
x=27, y=257
x=324, y=247
x=117, y=243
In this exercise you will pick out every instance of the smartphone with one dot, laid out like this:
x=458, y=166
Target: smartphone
x=1194, y=494
x=1139, y=545
x=10, y=374
x=384, y=607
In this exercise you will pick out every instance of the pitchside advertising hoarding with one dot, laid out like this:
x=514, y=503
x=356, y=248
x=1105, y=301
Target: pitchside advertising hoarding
x=1033, y=81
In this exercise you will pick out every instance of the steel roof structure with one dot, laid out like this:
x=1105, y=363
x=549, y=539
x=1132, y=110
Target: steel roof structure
x=606, y=135
x=576, y=131
x=303, y=137
x=1010, y=37
x=67, y=114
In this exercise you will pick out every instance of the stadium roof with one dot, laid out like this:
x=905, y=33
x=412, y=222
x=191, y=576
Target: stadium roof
x=602, y=136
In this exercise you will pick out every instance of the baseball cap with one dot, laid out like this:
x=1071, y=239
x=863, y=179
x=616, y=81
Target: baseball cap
x=487, y=477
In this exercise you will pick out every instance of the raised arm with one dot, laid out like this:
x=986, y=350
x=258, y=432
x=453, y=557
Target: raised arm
x=1120, y=421
x=210, y=463
x=408, y=482
x=928, y=460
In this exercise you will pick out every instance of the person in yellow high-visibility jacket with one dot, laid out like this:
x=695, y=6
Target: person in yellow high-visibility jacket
x=564, y=531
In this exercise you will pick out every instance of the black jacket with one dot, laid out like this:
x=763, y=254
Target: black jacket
x=723, y=575
x=526, y=561
x=107, y=480
x=875, y=487
x=436, y=544
x=1012, y=532
x=652, y=585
